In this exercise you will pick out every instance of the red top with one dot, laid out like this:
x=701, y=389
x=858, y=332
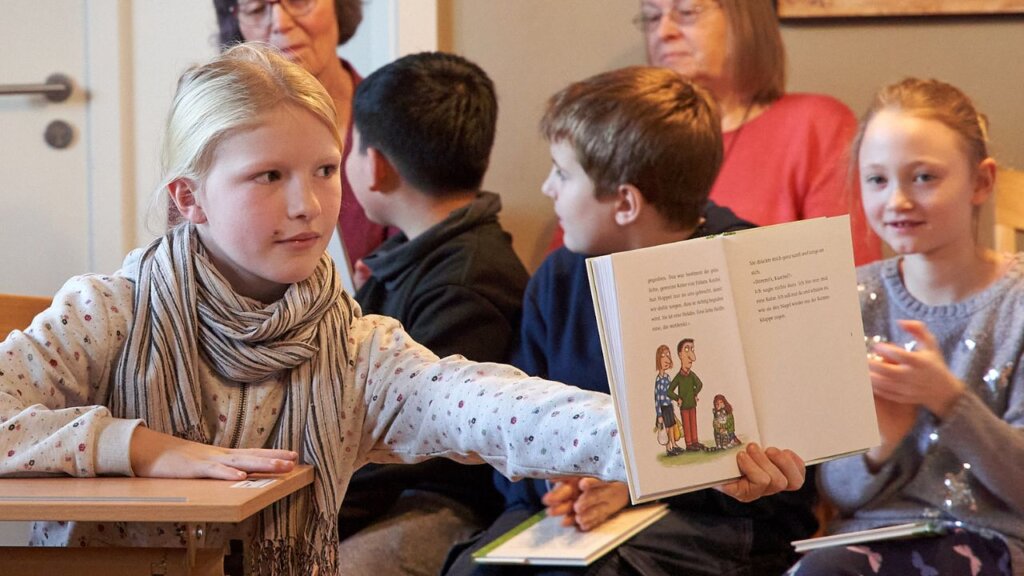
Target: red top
x=359, y=235
x=791, y=163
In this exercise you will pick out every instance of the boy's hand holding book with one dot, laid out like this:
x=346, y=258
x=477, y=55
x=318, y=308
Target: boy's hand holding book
x=587, y=502
x=765, y=472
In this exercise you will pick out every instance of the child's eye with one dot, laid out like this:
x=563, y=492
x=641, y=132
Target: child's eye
x=327, y=170
x=875, y=180
x=268, y=177
x=924, y=178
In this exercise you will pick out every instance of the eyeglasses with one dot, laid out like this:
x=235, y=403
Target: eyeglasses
x=256, y=13
x=680, y=16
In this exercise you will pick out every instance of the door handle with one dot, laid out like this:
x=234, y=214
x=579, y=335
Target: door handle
x=56, y=89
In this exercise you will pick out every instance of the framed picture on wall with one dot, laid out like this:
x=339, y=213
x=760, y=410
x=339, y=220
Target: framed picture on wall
x=794, y=9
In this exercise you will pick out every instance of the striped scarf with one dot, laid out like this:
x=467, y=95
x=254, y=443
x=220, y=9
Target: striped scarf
x=186, y=313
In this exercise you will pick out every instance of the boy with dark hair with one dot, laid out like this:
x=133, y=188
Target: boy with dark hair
x=635, y=152
x=423, y=130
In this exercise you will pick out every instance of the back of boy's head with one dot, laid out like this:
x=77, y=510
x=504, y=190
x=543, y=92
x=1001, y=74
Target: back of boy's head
x=433, y=116
x=228, y=94
x=933, y=100
x=642, y=126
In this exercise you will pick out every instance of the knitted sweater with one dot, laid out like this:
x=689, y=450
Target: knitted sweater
x=928, y=476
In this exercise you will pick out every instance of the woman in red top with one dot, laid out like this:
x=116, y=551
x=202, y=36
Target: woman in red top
x=785, y=154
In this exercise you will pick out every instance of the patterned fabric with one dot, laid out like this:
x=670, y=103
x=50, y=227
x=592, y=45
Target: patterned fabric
x=959, y=553
x=184, y=308
x=661, y=382
x=400, y=404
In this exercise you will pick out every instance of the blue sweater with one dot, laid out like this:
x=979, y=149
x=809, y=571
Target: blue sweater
x=559, y=341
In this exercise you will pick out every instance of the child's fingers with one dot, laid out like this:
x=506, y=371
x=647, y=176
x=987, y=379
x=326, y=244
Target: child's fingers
x=268, y=453
x=919, y=331
x=219, y=471
x=776, y=479
x=254, y=463
x=599, y=503
x=565, y=490
x=560, y=509
x=791, y=466
x=892, y=354
x=588, y=483
x=885, y=372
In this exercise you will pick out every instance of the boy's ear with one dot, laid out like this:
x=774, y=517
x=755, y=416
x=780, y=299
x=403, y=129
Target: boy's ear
x=384, y=175
x=629, y=203
x=183, y=193
x=984, y=181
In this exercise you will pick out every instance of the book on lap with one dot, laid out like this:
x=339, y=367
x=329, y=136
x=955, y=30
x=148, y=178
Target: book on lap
x=543, y=540
x=897, y=532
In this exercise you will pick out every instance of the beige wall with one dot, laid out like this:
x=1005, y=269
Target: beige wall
x=984, y=57
x=532, y=48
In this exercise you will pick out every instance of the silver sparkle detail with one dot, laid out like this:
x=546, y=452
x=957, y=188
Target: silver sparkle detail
x=997, y=380
x=959, y=493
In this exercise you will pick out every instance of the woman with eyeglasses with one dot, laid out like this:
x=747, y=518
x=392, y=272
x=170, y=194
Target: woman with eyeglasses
x=784, y=153
x=309, y=32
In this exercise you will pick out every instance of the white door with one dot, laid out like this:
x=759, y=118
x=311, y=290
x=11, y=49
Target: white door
x=44, y=216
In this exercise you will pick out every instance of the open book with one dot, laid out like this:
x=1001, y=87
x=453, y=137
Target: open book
x=542, y=539
x=713, y=343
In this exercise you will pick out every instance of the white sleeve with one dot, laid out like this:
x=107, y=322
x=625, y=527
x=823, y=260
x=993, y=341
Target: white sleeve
x=419, y=407
x=54, y=375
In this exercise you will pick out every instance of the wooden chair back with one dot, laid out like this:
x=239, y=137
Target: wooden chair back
x=1008, y=213
x=17, y=312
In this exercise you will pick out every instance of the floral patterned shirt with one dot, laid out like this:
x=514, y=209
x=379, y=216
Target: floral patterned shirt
x=401, y=404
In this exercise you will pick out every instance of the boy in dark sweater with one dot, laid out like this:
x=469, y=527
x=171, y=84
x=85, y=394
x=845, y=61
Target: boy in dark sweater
x=634, y=153
x=423, y=130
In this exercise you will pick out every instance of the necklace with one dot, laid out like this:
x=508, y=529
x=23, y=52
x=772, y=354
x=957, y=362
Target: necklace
x=739, y=130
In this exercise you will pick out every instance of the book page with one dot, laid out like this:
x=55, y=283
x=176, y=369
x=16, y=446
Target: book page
x=796, y=299
x=678, y=336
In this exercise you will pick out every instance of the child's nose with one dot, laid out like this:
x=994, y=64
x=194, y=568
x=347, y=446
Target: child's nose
x=303, y=202
x=548, y=189
x=899, y=200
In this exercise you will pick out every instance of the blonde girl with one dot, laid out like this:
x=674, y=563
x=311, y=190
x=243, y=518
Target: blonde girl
x=948, y=319
x=228, y=346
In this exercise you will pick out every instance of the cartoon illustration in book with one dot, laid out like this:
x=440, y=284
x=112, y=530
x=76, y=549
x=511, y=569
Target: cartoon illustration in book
x=684, y=390
x=723, y=423
x=666, y=426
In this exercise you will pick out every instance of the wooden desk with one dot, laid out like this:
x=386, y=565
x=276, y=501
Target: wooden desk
x=134, y=500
